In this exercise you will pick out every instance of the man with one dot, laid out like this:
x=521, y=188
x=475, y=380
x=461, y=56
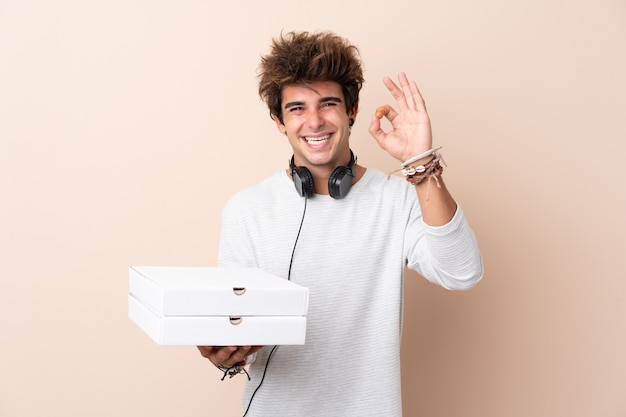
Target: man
x=343, y=231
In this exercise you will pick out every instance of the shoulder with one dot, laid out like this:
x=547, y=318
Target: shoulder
x=273, y=190
x=385, y=186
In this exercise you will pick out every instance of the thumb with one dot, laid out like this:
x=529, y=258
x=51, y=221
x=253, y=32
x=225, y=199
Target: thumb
x=376, y=131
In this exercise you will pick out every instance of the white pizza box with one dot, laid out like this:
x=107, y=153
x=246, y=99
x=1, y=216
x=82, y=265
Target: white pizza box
x=217, y=330
x=216, y=291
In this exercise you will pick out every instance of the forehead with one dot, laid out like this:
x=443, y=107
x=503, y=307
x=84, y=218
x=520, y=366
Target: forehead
x=311, y=91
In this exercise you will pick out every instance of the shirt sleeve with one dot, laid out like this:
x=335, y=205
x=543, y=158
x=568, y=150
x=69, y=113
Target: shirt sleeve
x=446, y=255
x=235, y=244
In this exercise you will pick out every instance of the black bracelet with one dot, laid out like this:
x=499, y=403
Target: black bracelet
x=233, y=370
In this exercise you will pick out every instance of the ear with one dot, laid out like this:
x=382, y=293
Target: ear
x=281, y=127
x=352, y=113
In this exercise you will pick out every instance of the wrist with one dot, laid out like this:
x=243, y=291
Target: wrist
x=418, y=158
x=422, y=175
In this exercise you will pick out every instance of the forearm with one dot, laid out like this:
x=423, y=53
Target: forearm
x=438, y=206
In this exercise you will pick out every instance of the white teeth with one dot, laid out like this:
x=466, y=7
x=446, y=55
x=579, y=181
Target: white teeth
x=320, y=139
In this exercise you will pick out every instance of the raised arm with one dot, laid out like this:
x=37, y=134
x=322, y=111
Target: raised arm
x=411, y=136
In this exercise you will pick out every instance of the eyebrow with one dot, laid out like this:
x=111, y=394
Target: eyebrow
x=331, y=99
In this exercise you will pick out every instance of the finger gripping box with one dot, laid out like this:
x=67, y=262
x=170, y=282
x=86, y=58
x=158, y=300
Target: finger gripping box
x=216, y=306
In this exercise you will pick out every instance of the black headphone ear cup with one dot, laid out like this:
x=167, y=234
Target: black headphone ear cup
x=303, y=180
x=339, y=182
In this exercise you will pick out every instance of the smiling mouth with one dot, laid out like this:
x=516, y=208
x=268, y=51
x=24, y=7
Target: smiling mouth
x=316, y=140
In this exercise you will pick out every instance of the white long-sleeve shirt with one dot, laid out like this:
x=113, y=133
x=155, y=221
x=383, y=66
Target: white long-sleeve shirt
x=351, y=254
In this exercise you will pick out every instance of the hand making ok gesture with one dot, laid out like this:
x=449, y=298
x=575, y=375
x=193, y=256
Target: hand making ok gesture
x=411, y=132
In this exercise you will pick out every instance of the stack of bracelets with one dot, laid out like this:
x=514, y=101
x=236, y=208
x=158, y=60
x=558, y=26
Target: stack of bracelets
x=416, y=174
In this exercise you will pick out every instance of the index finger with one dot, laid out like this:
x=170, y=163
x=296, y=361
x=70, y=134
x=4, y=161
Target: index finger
x=205, y=350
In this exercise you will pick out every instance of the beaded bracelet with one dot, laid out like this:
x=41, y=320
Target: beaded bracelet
x=431, y=170
x=412, y=170
x=416, y=175
x=435, y=171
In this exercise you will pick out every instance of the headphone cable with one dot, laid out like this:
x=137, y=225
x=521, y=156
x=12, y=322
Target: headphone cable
x=293, y=251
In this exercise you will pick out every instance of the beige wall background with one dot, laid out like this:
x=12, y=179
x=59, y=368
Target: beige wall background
x=126, y=125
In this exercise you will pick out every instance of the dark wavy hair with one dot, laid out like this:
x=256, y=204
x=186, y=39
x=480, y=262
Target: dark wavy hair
x=302, y=58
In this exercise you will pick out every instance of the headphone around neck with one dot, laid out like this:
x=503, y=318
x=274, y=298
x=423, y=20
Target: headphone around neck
x=339, y=182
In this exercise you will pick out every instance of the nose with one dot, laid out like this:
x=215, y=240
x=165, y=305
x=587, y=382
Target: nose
x=314, y=119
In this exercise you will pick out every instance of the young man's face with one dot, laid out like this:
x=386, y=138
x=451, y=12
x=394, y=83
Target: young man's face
x=317, y=124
